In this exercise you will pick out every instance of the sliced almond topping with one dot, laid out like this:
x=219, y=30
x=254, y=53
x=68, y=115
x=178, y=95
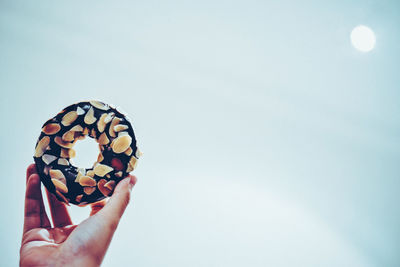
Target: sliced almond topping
x=51, y=128
x=104, y=190
x=46, y=170
x=121, y=143
x=89, y=190
x=90, y=173
x=109, y=117
x=138, y=153
x=100, y=157
x=132, y=164
x=108, y=176
x=66, y=200
x=80, y=111
x=78, y=198
x=129, y=151
x=57, y=174
x=120, y=127
x=89, y=117
x=118, y=174
x=68, y=136
x=62, y=161
x=67, y=153
x=122, y=133
x=93, y=133
x=41, y=146
x=87, y=181
x=101, y=124
x=77, y=128
x=60, y=186
x=101, y=170
x=72, y=153
x=62, y=143
x=80, y=137
x=48, y=158
x=110, y=185
x=99, y=105
x=114, y=122
x=103, y=139
x=78, y=176
x=69, y=118
x=85, y=131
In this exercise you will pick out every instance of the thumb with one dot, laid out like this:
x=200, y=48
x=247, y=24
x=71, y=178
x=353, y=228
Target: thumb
x=115, y=207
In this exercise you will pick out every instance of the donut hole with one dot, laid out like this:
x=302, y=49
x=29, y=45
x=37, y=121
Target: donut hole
x=87, y=151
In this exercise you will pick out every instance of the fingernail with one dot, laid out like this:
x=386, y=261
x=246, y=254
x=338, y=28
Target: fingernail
x=132, y=182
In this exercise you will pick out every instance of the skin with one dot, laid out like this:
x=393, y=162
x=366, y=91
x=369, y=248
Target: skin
x=66, y=244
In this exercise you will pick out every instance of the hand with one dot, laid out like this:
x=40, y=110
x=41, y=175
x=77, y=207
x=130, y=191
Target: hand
x=66, y=244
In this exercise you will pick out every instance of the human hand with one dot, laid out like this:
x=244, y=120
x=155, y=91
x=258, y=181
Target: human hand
x=66, y=244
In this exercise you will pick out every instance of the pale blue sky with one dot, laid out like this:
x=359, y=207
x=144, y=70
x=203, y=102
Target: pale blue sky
x=268, y=139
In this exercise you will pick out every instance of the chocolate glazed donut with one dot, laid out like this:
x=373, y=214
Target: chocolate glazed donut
x=54, y=149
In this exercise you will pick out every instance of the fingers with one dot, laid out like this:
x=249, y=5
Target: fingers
x=116, y=206
x=35, y=214
x=97, y=206
x=30, y=170
x=59, y=212
x=97, y=231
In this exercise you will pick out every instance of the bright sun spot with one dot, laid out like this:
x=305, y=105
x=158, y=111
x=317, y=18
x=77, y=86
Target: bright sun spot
x=363, y=38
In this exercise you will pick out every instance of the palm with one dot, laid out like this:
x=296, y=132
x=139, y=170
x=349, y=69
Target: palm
x=40, y=246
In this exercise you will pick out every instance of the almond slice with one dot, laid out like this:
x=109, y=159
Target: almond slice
x=41, y=146
x=132, y=164
x=101, y=124
x=90, y=173
x=89, y=190
x=122, y=133
x=114, y=122
x=121, y=143
x=120, y=127
x=87, y=181
x=57, y=174
x=77, y=128
x=48, y=158
x=67, y=153
x=89, y=117
x=99, y=105
x=138, y=153
x=62, y=161
x=100, y=157
x=80, y=111
x=78, y=198
x=101, y=170
x=118, y=174
x=103, y=139
x=62, y=143
x=78, y=176
x=109, y=117
x=110, y=185
x=68, y=136
x=104, y=190
x=128, y=152
x=93, y=133
x=60, y=186
x=69, y=118
x=51, y=128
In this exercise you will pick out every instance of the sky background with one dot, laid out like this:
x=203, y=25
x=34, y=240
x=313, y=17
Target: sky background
x=268, y=139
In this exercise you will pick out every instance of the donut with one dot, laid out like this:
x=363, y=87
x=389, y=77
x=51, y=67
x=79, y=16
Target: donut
x=118, y=155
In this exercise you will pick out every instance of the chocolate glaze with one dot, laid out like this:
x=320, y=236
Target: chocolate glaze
x=71, y=171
